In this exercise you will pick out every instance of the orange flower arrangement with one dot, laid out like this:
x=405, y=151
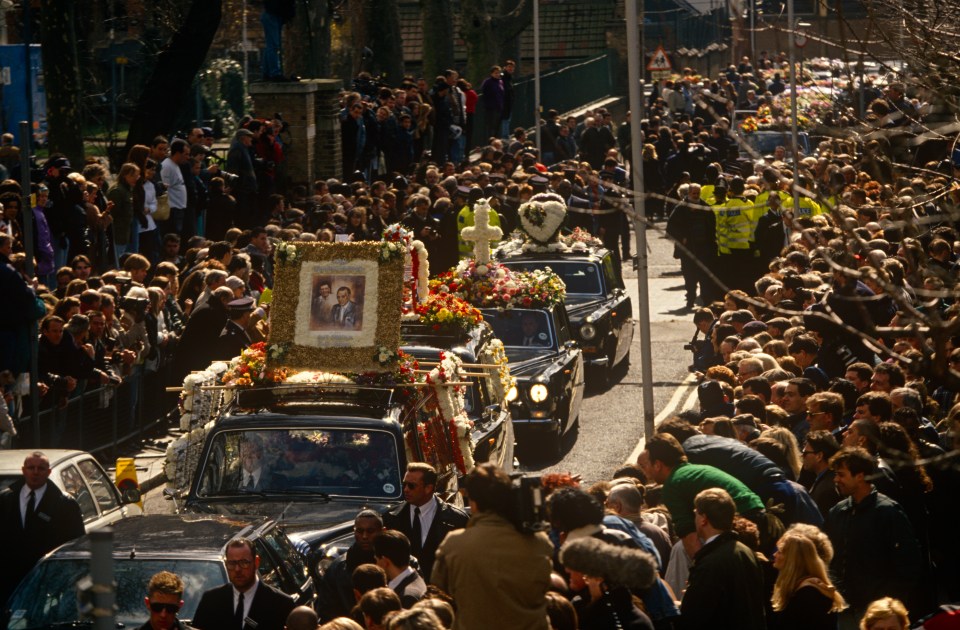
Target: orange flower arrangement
x=250, y=369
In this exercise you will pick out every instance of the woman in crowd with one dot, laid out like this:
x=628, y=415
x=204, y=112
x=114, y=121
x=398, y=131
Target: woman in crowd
x=803, y=596
x=124, y=224
x=885, y=614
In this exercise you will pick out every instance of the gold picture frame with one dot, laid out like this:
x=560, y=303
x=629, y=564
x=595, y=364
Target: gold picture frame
x=335, y=306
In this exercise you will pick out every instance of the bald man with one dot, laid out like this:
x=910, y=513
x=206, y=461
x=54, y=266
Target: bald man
x=302, y=618
x=625, y=499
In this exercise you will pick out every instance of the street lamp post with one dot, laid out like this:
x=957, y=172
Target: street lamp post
x=639, y=224
x=794, y=136
x=536, y=75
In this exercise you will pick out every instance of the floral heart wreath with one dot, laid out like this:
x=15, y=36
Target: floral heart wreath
x=542, y=217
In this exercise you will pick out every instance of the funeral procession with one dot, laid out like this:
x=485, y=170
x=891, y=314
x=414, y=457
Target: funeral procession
x=480, y=314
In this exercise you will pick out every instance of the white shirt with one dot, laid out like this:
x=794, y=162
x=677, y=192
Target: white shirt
x=427, y=512
x=247, y=476
x=173, y=180
x=248, y=596
x=149, y=205
x=395, y=582
x=25, y=498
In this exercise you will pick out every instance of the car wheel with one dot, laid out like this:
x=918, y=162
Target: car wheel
x=509, y=444
x=553, y=444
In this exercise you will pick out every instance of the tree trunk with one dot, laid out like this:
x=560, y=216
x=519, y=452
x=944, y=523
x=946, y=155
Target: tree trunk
x=487, y=36
x=437, y=19
x=382, y=19
x=172, y=78
x=62, y=79
x=307, y=41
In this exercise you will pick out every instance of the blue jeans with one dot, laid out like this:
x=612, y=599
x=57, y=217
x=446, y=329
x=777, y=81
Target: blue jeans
x=272, y=27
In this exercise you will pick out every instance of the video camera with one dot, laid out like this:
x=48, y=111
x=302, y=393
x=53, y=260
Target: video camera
x=137, y=307
x=529, y=511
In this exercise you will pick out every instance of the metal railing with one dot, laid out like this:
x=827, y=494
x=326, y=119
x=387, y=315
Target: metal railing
x=100, y=419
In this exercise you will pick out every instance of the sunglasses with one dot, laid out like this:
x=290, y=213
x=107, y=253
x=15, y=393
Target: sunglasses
x=409, y=484
x=169, y=608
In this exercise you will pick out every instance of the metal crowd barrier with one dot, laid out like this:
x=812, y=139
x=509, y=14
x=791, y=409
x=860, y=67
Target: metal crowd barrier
x=100, y=419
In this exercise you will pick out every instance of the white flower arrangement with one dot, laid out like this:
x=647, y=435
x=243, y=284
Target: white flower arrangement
x=450, y=401
x=385, y=355
x=495, y=353
x=542, y=217
x=276, y=351
x=197, y=404
x=391, y=249
x=418, y=251
x=182, y=457
x=286, y=253
x=317, y=378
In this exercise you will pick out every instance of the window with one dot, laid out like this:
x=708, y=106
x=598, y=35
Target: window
x=288, y=556
x=521, y=327
x=72, y=483
x=100, y=484
x=342, y=461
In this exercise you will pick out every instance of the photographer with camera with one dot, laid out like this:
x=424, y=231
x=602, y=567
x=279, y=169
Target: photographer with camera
x=575, y=514
x=491, y=565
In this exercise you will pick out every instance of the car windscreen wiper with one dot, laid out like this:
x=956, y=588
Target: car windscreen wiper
x=302, y=490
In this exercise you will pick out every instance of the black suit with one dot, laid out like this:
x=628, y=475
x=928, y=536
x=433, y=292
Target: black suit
x=233, y=339
x=411, y=589
x=269, y=609
x=446, y=519
x=57, y=519
x=824, y=492
x=198, y=345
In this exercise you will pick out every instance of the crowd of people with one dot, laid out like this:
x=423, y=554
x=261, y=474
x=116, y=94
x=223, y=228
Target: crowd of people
x=814, y=486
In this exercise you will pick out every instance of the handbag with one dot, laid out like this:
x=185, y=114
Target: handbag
x=163, y=208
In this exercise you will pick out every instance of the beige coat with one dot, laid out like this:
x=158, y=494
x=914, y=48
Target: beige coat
x=498, y=576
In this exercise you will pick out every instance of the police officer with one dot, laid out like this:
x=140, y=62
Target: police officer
x=736, y=223
x=233, y=337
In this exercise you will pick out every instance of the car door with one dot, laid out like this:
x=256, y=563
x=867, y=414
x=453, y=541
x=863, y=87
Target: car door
x=72, y=483
x=621, y=316
x=104, y=492
x=574, y=359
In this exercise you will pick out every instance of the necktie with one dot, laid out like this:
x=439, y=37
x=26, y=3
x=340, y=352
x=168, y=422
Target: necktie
x=528, y=341
x=238, y=615
x=31, y=506
x=249, y=485
x=416, y=533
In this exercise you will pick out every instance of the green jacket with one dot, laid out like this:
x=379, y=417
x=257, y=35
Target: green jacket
x=122, y=197
x=688, y=480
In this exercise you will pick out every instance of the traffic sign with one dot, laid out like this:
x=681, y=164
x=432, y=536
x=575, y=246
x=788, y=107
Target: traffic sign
x=660, y=61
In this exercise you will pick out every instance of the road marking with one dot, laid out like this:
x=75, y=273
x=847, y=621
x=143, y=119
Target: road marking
x=673, y=406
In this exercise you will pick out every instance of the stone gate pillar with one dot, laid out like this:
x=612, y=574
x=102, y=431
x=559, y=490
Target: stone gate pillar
x=311, y=109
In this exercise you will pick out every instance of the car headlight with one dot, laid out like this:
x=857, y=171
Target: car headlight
x=512, y=394
x=588, y=331
x=539, y=393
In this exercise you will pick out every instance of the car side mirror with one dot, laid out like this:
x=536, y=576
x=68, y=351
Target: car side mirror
x=131, y=495
x=491, y=411
x=570, y=345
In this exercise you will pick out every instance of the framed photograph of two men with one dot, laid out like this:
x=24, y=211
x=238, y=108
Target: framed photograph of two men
x=334, y=306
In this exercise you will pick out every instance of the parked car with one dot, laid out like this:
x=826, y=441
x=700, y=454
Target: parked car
x=193, y=547
x=492, y=432
x=549, y=370
x=80, y=475
x=600, y=311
